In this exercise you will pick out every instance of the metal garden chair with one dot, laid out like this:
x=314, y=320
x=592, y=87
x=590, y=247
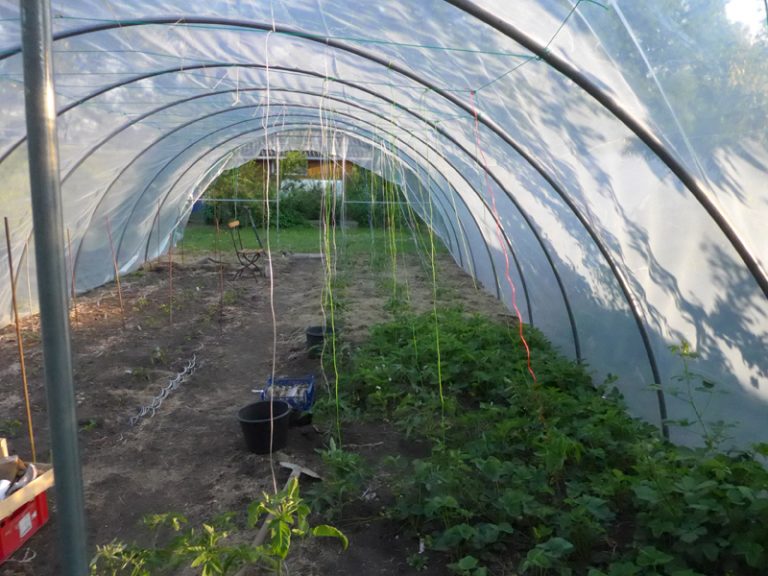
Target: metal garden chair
x=248, y=259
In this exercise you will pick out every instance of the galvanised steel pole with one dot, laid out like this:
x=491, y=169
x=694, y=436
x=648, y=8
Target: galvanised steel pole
x=52, y=281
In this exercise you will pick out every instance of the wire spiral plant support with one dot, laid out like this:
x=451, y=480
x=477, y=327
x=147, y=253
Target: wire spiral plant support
x=150, y=409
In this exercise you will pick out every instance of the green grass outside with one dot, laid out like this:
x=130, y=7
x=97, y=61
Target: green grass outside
x=201, y=238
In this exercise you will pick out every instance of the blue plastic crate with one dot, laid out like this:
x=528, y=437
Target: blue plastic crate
x=299, y=392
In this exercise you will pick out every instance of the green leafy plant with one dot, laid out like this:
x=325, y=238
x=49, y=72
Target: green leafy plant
x=230, y=297
x=697, y=392
x=197, y=547
x=158, y=356
x=397, y=305
x=547, y=555
x=468, y=566
x=10, y=427
x=140, y=373
x=418, y=561
x=287, y=517
x=30, y=337
x=88, y=425
x=551, y=477
x=207, y=549
x=141, y=303
x=344, y=478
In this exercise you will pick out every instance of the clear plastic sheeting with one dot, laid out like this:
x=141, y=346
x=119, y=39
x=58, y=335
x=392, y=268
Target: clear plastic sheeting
x=613, y=152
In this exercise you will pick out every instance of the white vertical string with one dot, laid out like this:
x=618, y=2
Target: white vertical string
x=271, y=278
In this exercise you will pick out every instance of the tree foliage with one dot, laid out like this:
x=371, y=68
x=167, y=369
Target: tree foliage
x=711, y=69
x=374, y=200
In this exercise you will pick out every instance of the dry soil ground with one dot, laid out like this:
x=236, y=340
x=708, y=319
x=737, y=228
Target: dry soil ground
x=190, y=456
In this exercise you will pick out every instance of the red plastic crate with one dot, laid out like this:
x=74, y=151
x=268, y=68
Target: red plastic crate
x=19, y=527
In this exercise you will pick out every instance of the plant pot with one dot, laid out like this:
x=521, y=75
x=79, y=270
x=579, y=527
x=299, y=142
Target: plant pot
x=258, y=427
x=316, y=336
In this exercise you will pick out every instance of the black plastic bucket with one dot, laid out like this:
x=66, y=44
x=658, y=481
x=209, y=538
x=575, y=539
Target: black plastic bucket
x=255, y=424
x=316, y=336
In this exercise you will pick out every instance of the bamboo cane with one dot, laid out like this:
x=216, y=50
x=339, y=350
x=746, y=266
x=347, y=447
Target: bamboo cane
x=117, y=272
x=72, y=274
x=221, y=272
x=170, y=280
x=20, y=344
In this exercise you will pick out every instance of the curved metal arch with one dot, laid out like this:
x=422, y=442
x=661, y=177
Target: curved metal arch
x=256, y=66
x=622, y=282
x=165, y=135
x=186, y=171
x=90, y=220
x=444, y=212
x=166, y=106
x=392, y=102
x=505, y=137
x=468, y=246
x=513, y=253
x=485, y=16
x=416, y=165
x=371, y=138
x=535, y=164
x=411, y=168
x=509, y=195
x=643, y=132
x=169, y=105
x=547, y=255
x=522, y=212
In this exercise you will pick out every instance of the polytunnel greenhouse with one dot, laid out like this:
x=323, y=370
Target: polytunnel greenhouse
x=471, y=287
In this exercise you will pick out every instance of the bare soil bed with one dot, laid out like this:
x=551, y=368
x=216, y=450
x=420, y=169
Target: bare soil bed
x=190, y=456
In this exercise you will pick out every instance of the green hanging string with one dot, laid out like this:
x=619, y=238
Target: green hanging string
x=329, y=250
x=432, y=257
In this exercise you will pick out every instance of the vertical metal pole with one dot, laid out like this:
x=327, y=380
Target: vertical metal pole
x=52, y=281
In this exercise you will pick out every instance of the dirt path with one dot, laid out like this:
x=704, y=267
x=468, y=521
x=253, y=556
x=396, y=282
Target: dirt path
x=190, y=457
